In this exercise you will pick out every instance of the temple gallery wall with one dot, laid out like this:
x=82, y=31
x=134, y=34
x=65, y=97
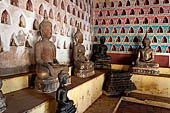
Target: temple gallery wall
x=19, y=30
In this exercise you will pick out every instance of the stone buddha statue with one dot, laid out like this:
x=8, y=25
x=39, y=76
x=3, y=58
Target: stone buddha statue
x=145, y=59
x=47, y=67
x=82, y=66
x=2, y=100
x=101, y=56
x=64, y=104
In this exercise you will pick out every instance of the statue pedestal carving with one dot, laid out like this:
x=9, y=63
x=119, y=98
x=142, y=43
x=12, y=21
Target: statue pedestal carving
x=47, y=85
x=146, y=71
x=84, y=73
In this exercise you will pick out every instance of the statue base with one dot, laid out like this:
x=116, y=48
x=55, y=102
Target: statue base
x=145, y=71
x=2, y=105
x=67, y=110
x=84, y=73
x=47, y=85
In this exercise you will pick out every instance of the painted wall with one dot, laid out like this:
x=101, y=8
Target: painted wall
x=124, y=24
x=19, y=30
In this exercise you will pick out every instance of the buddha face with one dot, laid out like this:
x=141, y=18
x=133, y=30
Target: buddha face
x=146, y=43
x=102, y=40
x=46, y=32
x=80, y=40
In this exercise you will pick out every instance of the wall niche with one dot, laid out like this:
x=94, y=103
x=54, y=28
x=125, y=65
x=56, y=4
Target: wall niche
x=41, y=10
x=29, y=6
x=22, y=22
x=14, y=2
x=5, y=18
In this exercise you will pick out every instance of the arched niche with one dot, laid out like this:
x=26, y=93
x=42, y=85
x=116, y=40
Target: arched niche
x=168, y=49
x=14, y=2
x=109, y=39
x=62, y=5
x=128, y=3
x=168, y=30
x=58, y=17
x=108, y=13
x=118, y=39
x=159, y=49
x=112, y=4
x=104, y=5
x=99, y=31
x=160, y=30
x=119, y=21
x=155, y=20
x=154, y=40
x=65, y=19
x=51, y=14
x=136, y=21
x=111, y=22
x=166, y=1
x=119, y=4
x=123, y=12
x=74, y=11
x=150, y=30
x=82, y=16
x=127, y=21
x=68, y=8
x=140, y=30
x=114, y=30
x=96, y=22
x=55, y=2
x=95, y=39
x=106, y=30
x=150, y=11
x=113, y=48
x=121, y=48
x=156, y=2
x=12, y=41
x=122, y=30
x=100, y=14
x=115, y=13
x=161, y=10
x=141, y=12
x=22, y=21
x=77, y=3
x=145, y=21
x=103, y=22
x=84, y=27
x=29, y=6
x=5, y=17
x=81, y=5
x=126, y=39
x=165, y=20
x=137, y=3
x=97, y=5
x=130, y=48
x=135, y=39
x=164, y=40
x=131, y=30
x=132, y=12
x=41, y=10
x=146, y=2
x=76, y=23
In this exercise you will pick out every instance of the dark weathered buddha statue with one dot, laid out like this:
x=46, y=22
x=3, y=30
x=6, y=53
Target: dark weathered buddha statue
x=82, y=66
x=64, y=104
x=101, y=56
x=2, y=100
x=47, y=67
x=145, y=59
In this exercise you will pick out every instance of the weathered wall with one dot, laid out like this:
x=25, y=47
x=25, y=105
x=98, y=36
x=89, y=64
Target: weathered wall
x=124, y=24
x=19, y=30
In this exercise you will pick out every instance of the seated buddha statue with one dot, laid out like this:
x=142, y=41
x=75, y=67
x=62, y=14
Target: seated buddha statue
x=82, y=66
x=101, y=56
x=145, y=59
x=47, y=67
x=64, y=104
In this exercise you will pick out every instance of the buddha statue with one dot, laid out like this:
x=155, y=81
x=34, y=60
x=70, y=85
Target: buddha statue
x=47, y=67
x=101, y=57
x=145, y=59
x=2, y=99
x=82, y=66
x=64, y=104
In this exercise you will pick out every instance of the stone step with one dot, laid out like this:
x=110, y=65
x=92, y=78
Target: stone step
x=83, y=91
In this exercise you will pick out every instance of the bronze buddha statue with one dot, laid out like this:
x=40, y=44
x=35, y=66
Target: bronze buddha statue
x=145, y=59
x=47, y=67
x=64, y=104
x=82, y=66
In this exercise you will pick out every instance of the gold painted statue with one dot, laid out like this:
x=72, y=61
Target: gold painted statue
x=82, y=66
x=145, y=59
x=47, y=67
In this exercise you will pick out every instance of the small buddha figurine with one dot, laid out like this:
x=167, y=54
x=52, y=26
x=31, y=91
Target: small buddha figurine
x=2, y=99
x=101, y=56
x=83, y=67
x=64, y=104
x=47, y=67
x=145, y=58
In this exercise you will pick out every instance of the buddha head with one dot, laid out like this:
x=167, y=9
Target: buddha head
x=62, y=77
x=102, y=40
x=79, y=36
x=146, y=41
x=46, y=27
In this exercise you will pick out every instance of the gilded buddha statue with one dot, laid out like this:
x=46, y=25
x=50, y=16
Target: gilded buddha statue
x=82, y=66
x=47, y=67
x=145, y=59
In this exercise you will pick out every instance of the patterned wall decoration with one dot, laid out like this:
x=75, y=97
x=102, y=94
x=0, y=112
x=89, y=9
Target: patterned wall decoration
x=125, y=22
